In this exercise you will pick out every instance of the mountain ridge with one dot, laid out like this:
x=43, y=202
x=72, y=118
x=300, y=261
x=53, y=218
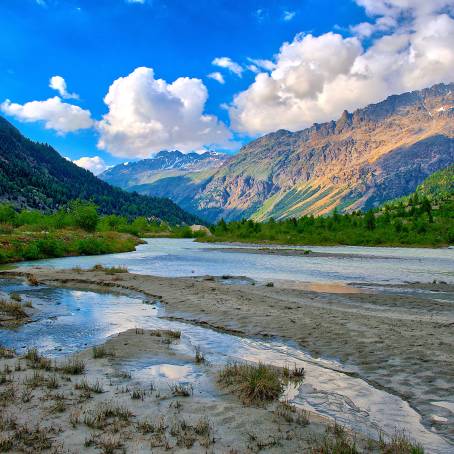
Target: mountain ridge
x=376, y=153
x=34, y=175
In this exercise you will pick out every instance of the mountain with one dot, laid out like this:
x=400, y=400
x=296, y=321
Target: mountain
x=165, y=163
x=34, y=175
x=168, y=174
x=374, y=154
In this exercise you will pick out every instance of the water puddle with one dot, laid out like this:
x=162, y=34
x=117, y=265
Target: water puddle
x=72, y=320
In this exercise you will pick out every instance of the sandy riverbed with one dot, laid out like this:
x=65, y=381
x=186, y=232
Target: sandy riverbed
x=66, y=412
x=399, y=342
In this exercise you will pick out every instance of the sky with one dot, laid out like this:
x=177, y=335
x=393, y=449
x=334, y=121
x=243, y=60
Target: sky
x=108, y=81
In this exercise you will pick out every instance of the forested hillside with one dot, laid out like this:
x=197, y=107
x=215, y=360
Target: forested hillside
x=34, y=175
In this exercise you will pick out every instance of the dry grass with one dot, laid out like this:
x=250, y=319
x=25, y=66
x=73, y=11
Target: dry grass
x=72, y=366
x=252, y=383
x=36, y=361
x=400, y=443
x=87, y=387
x=199, y=356
x=291, y=414
x=335, y=440
x=181, y=389
x=6, y=353
x=12, y=309
x=32, y=280
x=150, y=427
x=138, y=394
x=99, y=417
x=110, y=270
x=187, y=434
x=107, y=443
x=15, y=297
x=166, y=333
x=293, y=374
x=100, y=352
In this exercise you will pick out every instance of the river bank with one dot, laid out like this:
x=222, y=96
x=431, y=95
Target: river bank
x=18, y=245
x=398, y=342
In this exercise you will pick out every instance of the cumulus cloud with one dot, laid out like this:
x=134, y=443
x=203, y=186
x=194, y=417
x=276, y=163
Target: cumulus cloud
x=57, y=115
x=228, y=63
x=315, y=77
x=148, y=114
x=217, y=76
x=94, y=164
x=59, y=84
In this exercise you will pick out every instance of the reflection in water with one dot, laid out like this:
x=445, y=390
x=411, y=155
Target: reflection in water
x=70, y=321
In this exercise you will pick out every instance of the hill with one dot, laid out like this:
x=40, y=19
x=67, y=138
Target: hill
x=34, y=175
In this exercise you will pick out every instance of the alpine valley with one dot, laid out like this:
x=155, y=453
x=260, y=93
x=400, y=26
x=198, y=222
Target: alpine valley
x=375, y=154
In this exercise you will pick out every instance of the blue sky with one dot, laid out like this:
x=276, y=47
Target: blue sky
x=92, y=43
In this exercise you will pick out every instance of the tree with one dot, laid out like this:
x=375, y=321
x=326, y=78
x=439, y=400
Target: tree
x=369, y=219
x=85, y=215
x=7, y=213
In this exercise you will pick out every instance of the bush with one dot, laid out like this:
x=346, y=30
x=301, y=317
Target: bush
x=50, y=247
x=85, y=215
x=90, y=246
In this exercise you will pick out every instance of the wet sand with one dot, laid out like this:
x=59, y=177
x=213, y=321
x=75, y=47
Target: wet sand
x=403, y=343
x=48, y=409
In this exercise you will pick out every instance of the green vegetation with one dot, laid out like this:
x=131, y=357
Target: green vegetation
x=77, y=229
x=34, y=175
x=424, y=218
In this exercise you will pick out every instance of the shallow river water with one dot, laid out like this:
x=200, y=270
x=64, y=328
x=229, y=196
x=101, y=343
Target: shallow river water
x=72, y=320
x=174, y=257
x=69, y=320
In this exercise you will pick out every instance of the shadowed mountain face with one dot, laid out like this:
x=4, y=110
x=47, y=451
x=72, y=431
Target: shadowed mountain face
x=377, y=153
x=34, y=175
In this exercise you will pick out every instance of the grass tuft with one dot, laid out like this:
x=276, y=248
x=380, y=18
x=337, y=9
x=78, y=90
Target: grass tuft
x=100, y=352
x=110, y=270
x=252, y=383
x=181, y=389
x=87, y=387
x=73, y=367
x=99, y=417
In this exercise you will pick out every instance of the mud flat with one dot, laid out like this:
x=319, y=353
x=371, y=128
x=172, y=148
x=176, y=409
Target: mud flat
x=401, y=343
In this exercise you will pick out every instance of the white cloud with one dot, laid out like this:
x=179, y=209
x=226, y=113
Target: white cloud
x=260, y=14
x=262, y=63
x=136, y=1
x=57, y=115
x=217, y=76
x=147, y=115
x=228, y=63
x=316, y=77
x=94, y=164
x=59, y=84
x=396, y=8
x=288, y=15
